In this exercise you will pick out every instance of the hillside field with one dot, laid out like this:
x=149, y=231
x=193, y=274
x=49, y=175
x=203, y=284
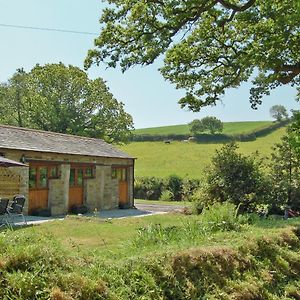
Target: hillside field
x=188, y=159
x=229, y=128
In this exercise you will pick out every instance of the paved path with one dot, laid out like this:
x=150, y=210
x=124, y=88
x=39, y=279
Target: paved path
x=141, y=210
x=158, y=207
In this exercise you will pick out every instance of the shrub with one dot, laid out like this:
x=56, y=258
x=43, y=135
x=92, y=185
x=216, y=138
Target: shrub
x=223, y=216
x=148, y=188
x=174, y=185
x=236, y=178
x=166, y=196
x=152, y=187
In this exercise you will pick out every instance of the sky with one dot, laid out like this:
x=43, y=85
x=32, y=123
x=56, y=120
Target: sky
x=147, y=96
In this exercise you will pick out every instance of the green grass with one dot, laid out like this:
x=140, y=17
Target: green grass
x=163, y=257
x=229, y=128
x=188, y=159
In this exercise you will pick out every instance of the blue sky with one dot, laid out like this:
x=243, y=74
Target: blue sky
x=147, y=97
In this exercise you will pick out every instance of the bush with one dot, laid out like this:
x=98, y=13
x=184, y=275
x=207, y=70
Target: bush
x=166, y=196
x=174, y=185
x=236, y=178
x=152, y=187
x=149, y=188
x=223, y=216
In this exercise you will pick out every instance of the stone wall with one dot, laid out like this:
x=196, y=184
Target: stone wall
x=130, y=186
x=59, y=192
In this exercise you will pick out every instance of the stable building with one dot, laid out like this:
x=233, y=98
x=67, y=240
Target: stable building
x=64, y=171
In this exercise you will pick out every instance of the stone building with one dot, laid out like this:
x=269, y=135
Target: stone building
x=65, y=171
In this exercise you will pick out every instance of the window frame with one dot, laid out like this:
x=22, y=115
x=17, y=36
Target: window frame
x=37, y=167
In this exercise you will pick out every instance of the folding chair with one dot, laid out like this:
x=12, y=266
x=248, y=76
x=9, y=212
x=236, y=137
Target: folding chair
x=16, y=208
x=3, y=211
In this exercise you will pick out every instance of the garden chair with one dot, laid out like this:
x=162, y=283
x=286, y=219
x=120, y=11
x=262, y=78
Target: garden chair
x=16, y=208
x=3, y=211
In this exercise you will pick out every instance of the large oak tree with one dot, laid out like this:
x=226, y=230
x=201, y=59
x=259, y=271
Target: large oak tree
x=208, y=45
x=63, y=99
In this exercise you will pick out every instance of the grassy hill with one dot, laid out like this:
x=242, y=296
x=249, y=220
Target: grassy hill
x=229, y=128
x=188, y=159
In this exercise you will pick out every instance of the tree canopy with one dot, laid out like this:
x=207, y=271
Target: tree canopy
x=209, y=123
x=278, y=112
x=63, y=99
x=208, y=45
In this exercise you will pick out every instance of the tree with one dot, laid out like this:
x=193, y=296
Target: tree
x=278, y=112
x=285, y=175
x=294, y=132
x=63, y=99
x=211, y=124
x=209, y=45
x=236, y=178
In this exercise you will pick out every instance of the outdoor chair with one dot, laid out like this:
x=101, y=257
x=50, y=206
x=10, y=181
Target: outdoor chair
x=16, y=208
x=3, y=211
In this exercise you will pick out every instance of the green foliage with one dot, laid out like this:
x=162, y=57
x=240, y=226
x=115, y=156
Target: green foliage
x=223, y=216
x=174, y=184
x=278, y=112
x=285, y=175
x=294, y=131
x=207, y=124
x=170, y=188
x=191, y=259
x=236, y=178
x=166, y=195
x=208, y=45
x=217, y=217
x=63, y=99
x=148, y=188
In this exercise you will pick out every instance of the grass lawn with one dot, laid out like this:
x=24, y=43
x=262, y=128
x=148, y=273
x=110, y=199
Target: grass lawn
x=229, y=128
x=171, y=256
x=188, y=159
x=112, y=238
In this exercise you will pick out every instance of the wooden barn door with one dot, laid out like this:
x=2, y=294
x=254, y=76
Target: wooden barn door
x=38, y=188
x=121, y=174
x=39, y=175
x=76, y=187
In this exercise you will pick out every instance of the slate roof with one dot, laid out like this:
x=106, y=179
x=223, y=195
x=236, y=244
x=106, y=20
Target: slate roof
x=19, y=138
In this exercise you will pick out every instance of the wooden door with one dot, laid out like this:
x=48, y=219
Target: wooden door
x=120, y=173
x=75, y=187
x=38, y=199
x=123, y=192
x=38, y=187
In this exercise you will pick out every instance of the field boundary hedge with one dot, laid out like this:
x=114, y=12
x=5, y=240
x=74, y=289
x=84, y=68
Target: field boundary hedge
x=210, y=138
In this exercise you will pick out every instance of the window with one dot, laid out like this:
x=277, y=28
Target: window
x=53, y=172
x=39, y=176
x=32, y=177
x=88, y=173
x=43, y=177
x=72, y=177
x=78, y=173
x=119, y=173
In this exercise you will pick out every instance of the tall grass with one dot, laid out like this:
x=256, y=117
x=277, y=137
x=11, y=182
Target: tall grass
x=217, y=217
x=33, y=265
